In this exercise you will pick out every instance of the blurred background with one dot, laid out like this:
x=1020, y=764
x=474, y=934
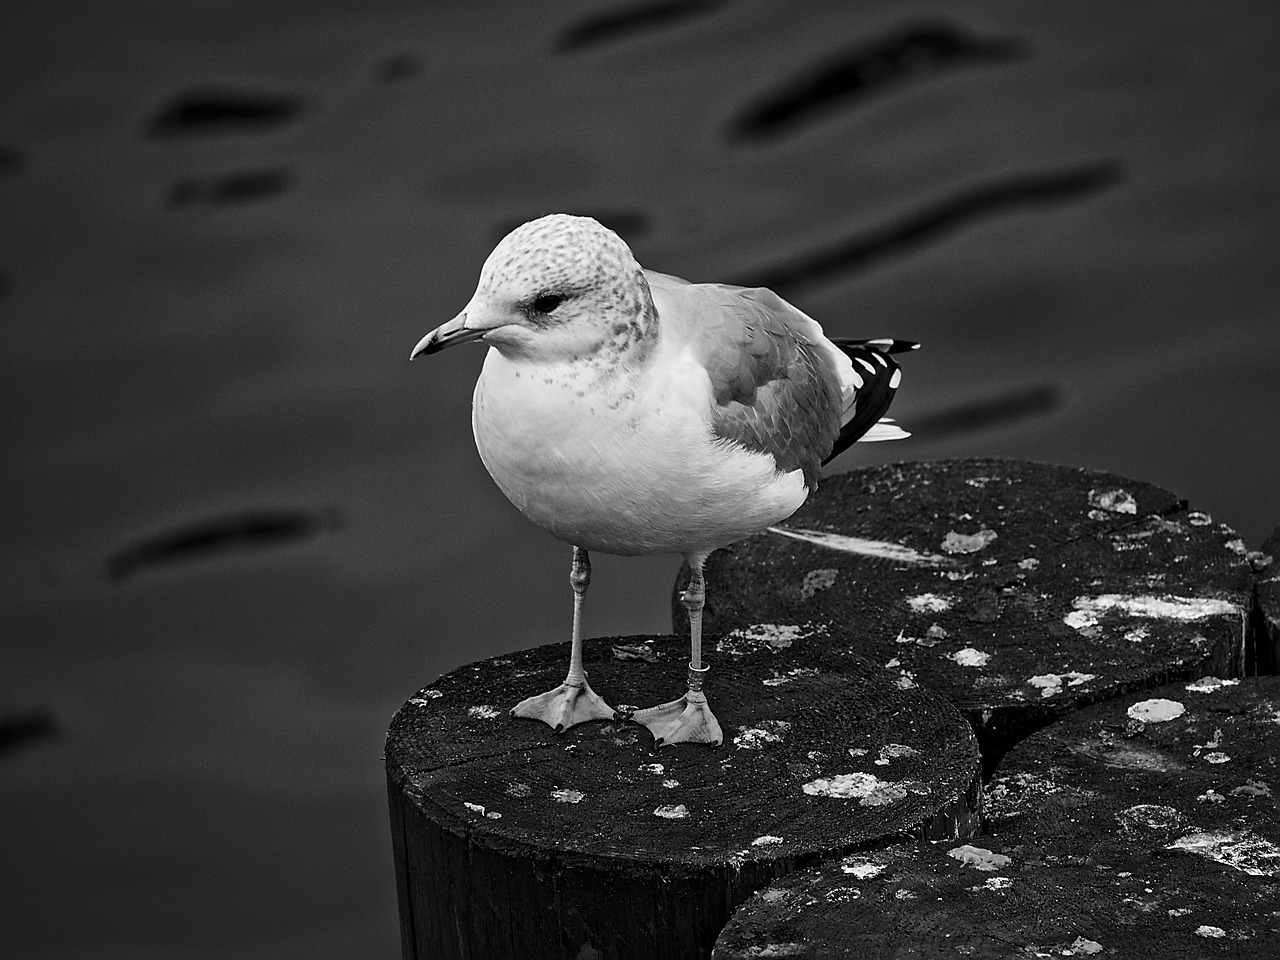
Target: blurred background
x=239, y=529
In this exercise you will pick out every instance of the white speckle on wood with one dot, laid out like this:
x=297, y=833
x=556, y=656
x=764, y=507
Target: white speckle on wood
x=929, y=603
x=1030, y=563
x=1051, y=684
x=955, y=542
x=1198, y=519
x=1113, y=501
x=895, y=751
x=755, y=738
x=768, y=840
x=1244, y=851
x=1180, y=911
x=764, y=636
x=477, y=808
x=1082, y=946
x=1149, y=816
x=868, y=789
x=969, y=657
x=1091, y=609
x=978, y=857
x=564, y=795
x=484, y=712
x=995, y=883
x=862, y=868
x=1083, y=621
x=1157, y=710
x=775, y=950
x=426, y=696
x=1216, y=758
x=655, y=768
x=677, y=812
x=1209, y=685
x=869, y=548
x=816, y=580
x=671, y=784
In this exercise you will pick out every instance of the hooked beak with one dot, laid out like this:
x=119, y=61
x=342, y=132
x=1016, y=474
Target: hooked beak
x=447, y=334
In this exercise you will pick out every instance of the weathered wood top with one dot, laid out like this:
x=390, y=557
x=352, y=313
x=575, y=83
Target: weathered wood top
x=1115, y=832
x=793, y=736
x=1018, y=590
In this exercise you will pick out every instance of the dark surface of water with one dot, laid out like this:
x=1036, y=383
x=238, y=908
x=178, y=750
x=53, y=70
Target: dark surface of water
x=240, y=529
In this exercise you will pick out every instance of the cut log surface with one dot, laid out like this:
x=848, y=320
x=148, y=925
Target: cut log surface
x=1144, y=827
x=513, y=841
x=1020, y=591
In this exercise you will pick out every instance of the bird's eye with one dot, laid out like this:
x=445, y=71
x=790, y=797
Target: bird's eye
x=548, y=302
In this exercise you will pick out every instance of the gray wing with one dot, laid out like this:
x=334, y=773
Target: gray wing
x=774, y=382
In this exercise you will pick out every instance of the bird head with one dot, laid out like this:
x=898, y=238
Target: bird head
x=556, y=288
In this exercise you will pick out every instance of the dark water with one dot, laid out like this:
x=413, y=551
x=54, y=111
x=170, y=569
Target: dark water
x=239, y=529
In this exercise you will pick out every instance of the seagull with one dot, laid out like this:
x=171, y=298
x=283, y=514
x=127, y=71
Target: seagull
x=631, y=412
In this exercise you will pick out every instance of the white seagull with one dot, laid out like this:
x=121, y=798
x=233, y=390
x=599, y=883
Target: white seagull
x=632, y=412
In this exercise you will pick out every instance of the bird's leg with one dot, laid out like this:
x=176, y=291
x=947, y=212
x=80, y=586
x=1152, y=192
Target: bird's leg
x=573, y=701
x=689, y=719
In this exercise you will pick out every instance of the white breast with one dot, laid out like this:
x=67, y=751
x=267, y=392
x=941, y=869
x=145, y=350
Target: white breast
x=623, y=463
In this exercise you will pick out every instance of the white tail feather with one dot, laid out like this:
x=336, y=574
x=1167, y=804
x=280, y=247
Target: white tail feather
x=884, y=430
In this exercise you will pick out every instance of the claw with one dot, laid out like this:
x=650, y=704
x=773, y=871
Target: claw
x=565, y=706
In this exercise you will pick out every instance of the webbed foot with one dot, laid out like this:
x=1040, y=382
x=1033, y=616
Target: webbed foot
x=687, y=720
x=566, y=705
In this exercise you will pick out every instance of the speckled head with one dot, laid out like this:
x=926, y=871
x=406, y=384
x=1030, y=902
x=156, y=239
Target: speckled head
x=562, y=287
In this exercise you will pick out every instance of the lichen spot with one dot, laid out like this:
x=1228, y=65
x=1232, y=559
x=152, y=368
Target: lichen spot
x=1114, y=500
x=995, y=883
x=929, y=603
x=763, y=636
x=969, y=657
x=816, y=580
x=758, y=737
x=484, y=712
x=979, y=858
x=1156, y=710
x=563, y=795
x=671, y=812
x=868, y=789
x=1209, y=685
x=955, y=542
x=1051, y=684
x=861, y=868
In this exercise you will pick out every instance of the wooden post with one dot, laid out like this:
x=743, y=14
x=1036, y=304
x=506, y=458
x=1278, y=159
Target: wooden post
x=1020, y=591
x=1143, y=827
x=513, y=841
